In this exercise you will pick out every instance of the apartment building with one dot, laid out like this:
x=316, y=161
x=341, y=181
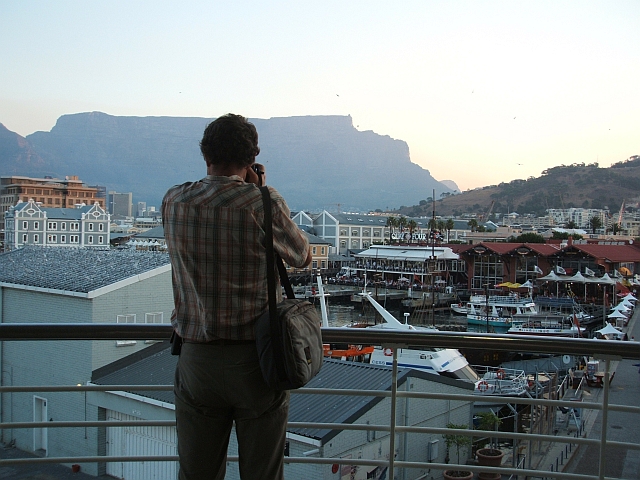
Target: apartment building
x=48, y=192
x=28, y=223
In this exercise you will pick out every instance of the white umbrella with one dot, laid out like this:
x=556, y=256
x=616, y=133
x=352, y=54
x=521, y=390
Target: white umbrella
x=616, y=314
x=629, y=297
x=621, y=308
x=609, y=330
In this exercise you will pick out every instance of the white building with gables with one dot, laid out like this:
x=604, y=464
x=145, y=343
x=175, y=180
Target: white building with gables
x=28, y=223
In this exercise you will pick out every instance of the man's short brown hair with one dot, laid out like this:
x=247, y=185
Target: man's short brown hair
x=230, y=140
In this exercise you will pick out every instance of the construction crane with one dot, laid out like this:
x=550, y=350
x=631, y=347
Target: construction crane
x=485, y=216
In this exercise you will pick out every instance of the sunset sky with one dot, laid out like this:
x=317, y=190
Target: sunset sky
x=483, y=92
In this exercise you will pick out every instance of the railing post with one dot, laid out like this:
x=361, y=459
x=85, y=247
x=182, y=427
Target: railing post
x=392, y=420
x=605, y=416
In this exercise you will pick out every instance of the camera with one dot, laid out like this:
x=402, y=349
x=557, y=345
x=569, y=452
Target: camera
x=256, y=169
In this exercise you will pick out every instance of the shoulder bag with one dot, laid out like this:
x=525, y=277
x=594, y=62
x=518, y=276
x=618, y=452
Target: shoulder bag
x=288, y=335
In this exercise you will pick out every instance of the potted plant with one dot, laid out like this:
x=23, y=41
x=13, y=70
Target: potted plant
x=490, y=455
x=458, y=441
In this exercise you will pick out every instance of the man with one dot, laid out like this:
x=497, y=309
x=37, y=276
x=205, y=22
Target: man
x=214, y=230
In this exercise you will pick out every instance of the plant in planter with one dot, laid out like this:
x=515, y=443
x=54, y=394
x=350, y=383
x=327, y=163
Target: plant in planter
x=490, y=455
x=458, y=441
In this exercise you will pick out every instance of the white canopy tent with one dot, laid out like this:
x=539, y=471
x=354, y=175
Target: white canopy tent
x=609, y=330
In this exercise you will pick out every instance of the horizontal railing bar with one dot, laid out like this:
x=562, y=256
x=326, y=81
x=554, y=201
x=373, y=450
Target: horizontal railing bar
x=471, y=340
x=303, y=460
x=334, y=391
x=323, y=426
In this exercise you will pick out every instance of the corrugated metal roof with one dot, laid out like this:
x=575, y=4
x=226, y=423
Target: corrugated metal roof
x=75, y=269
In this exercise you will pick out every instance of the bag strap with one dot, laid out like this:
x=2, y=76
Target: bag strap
x=272, y=257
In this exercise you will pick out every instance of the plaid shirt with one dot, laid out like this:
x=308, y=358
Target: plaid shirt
x=215, y=235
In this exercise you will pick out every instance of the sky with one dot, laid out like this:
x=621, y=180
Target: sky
x=483, y=92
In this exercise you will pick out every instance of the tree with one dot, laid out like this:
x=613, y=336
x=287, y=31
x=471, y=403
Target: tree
x=392, y=222
x=529, y=238
x=411, y=225
x=402, y=223
x=595, y=223
x=616, y=228
x=473, y=224
x=458, y=441
x=449, y=224
x=570, y=224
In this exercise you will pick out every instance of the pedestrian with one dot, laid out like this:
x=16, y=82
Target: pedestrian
x=214, y=229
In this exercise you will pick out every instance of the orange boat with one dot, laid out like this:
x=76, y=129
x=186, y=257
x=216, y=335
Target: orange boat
x=343, y=351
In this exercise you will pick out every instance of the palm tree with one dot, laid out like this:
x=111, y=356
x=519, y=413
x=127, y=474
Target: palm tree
x=448, y=225
x=411, y=225
x=392, y=222
x=571, y=224
x=595, y=223
x=616, y=228
x=473, y=224
x=402, y=223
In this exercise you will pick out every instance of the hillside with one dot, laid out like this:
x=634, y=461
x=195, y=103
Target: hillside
x=572, y=186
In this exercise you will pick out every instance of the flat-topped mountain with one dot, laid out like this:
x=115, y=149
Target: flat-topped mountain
x=316, y=162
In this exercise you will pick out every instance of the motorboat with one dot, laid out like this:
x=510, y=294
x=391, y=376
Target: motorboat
x=546, y=325
x=497, y=311
x=445, y=361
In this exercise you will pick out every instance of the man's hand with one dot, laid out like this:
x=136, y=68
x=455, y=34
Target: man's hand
x=256, y=174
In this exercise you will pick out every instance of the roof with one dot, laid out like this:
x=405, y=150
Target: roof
x=155, y=366
x=612, y=253
x=314, y=240
x=155, y=232
x=80, y=270
x=502, y=248
x=410, y=253
x=60, y=213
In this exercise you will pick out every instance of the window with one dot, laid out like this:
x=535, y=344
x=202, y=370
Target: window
x=74, y=239
x=90, y=238
x=366, y=233
x=91, y=227
x=52, y=238
x=36, y=225
x=343, y=244
x=25, y=238
x=101, y=227
x=324, y=264
x=342, y=232
x=313, y=250
x=74, y=227
x=314, y=264
x=322, y=250
x=129, y=318
x=63, y=239
x=155, y=317
x=354, y=233
x=36, y=238
x=100, y=239
x=25, y=225
x=63, y=226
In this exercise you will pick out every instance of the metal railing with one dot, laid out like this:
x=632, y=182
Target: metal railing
x=609, y=351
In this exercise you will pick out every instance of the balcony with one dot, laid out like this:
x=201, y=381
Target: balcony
x=595, y=441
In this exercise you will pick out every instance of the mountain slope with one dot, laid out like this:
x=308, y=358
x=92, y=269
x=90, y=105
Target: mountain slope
x=578, y=185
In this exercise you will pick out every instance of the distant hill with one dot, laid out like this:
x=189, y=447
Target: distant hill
x=316, y=162
x=566, y=186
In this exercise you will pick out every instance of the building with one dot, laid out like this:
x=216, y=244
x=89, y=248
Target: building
x=120, y=204
x=155, y=366
x=28, y=223
x=353, y=232
x=48, y=192
x=58, y=285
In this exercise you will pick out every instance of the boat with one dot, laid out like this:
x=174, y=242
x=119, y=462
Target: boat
x=459, y=308
x=497, y=311
x=340, y=351
x=445, y=361
x=545, y=325
x=562, y=306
